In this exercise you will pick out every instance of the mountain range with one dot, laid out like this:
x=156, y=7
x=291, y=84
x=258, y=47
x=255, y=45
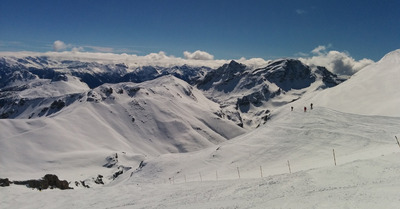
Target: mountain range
x=246, y=95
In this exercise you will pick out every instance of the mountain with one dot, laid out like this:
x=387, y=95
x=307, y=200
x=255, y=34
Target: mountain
x=246, y=95
x=90, y=71
x=250, y=95
x=164, y=143
x=113, y=118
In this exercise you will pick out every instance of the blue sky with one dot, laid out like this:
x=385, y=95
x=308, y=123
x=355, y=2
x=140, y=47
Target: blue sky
x=226, y=29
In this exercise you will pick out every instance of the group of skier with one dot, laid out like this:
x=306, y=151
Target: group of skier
x=305, y=108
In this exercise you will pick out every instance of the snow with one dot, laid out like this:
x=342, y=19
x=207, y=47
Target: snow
x=47, y=88
x=371, y=91
x=366, y=175
x=139, y=125
x=75, y=143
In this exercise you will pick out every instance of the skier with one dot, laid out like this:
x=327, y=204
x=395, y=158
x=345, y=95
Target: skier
x=305, y=109
x=291, y=108
x=311, y=105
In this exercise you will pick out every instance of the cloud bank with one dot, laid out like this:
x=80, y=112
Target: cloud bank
x=340, y=63
x=160, y=59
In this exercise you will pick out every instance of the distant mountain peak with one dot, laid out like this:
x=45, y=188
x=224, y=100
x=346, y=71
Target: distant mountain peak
x=234, y=63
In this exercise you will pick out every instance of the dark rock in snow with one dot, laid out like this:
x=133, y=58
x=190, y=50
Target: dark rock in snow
x=4, y=182
x=49, y=180
x=99, y=180
x=111, y=161
x=116, y=174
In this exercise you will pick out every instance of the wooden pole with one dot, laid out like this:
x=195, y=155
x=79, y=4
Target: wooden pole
x=261, y=172
x=290, y=170
x=238, y=172
x=334, y=157
x=397, y=141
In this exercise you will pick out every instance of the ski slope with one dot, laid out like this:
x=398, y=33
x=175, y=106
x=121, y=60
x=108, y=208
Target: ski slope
x=366, y=175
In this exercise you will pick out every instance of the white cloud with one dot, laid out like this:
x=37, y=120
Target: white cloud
x=253, y=62
x=59, y=46
x=157, y=56
x=198, y=55
x=319, y=50
x=340, y=63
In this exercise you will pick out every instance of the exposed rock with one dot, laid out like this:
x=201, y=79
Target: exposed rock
x=49, y=180
x=111, y=161
x=59, y=104
x=99, y=180
x=4, y=182
x=116, y=174
x=141, y=165
x=84, y=184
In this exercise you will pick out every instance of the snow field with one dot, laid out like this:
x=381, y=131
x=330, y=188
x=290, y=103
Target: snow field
x=368, y=183
x=305, y=139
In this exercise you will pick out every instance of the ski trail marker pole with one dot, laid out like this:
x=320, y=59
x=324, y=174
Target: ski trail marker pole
x=334, y=156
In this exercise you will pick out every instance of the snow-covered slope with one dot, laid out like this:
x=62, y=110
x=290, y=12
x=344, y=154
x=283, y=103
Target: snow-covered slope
x=305, y=139
x=366, y=175
x=373, y=90
x=161, y=116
